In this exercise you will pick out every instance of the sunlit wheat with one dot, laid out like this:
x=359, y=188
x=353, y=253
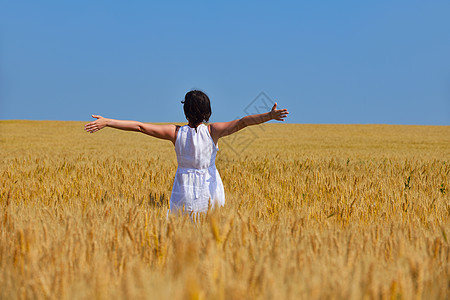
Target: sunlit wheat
x=312, y=211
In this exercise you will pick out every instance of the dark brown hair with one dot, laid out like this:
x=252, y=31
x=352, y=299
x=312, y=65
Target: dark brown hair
x=197, y=107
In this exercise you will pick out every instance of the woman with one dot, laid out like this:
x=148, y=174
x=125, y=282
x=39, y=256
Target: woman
x=197, y=183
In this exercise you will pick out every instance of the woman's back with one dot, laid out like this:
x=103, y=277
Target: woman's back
x=195, y=147
x=197, y=182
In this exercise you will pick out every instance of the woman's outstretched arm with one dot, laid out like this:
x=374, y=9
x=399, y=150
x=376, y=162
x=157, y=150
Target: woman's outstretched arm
x=166, y=132
x=222, y=129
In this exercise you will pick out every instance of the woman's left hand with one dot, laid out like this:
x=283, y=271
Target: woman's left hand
x=96, y=125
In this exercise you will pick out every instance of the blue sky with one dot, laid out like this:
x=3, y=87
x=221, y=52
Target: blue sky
x=345, y=62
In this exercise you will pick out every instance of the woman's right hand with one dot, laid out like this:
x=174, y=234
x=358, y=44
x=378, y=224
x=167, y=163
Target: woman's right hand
x=96, y=125
x=278, y=114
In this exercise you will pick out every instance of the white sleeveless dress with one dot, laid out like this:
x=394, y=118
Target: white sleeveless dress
x=197, y=182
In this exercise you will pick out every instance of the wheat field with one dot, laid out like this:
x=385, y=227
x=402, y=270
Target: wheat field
x=312, y=212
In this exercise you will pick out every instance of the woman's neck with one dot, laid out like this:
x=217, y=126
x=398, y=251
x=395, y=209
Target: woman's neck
x=194, y=125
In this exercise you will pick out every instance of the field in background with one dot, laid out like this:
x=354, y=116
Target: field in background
x=312, y=211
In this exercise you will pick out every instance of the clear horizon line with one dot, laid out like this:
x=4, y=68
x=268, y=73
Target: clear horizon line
x=369, y=123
